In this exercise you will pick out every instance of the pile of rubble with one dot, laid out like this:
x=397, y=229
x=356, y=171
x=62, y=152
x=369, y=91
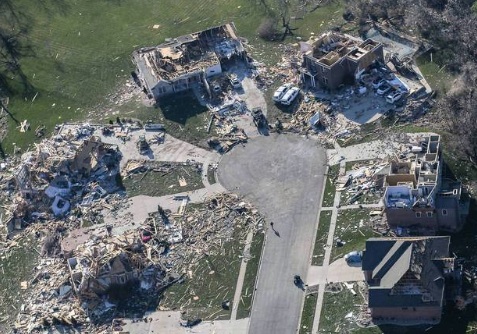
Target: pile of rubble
x=228, y=132
x=363, y=184
x=284, y=71
x=86, y=286
x=62, y=175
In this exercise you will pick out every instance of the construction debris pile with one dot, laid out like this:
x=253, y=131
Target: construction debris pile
x=363, y=184
x=284, y=71
x=105, y=274
x=65, y=174
x=229, y=133
x=203, y=230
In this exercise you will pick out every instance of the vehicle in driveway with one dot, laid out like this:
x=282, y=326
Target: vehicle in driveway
x=259, y=118
x=383, y=89
x=353, y=257
x=378, y=82
x=394, y=96
x=234, y=81
x=290, y=96
x=277, y=96
x=216, y=87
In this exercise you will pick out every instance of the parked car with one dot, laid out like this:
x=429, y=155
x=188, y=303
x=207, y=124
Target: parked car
x=394, y=96
x=378, y=82
x=290, y=96
x=216, y=87
x=383, y=89
x=280, y=92
x=259, y=118
x=234, y=81
x=353, y=257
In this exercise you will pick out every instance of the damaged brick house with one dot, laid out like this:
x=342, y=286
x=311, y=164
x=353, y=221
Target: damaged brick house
x=185, y=61
x=409, y=279
x=417, y=196
x=334, y=59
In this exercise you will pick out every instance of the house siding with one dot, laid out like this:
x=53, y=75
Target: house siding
x=399, y=217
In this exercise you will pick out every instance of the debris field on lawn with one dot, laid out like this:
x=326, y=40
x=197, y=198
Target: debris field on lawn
x=58, y=193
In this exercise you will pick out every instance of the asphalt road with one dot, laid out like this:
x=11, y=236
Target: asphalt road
x=283, y=176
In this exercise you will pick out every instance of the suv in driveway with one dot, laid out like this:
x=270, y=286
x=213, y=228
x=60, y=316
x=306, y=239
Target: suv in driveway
x=378, y=82
x=290, y=96
x=234, y=81
x=383, y=89
x=393, y=96
x=280, y=92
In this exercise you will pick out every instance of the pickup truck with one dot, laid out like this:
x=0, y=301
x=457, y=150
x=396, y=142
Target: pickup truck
x=259, y=118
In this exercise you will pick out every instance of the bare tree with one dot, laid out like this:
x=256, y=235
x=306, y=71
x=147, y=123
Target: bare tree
x=268, y=29
x=279, y=11
x=458, y=112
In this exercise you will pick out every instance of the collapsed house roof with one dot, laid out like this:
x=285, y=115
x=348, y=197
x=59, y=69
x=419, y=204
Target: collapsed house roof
x=331, y=48
x=407, y=272
x=413, y=183
x=187, y=54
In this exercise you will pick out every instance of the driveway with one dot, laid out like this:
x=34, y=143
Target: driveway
x=283, y=176
x=338, y=271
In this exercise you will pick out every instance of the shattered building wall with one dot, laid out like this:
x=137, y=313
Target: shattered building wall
x=188, y=60
x=334, y=59
x=417, y=197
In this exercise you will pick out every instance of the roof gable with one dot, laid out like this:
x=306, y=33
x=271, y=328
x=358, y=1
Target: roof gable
x=406, y=271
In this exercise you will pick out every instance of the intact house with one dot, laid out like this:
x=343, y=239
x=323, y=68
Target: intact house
x=335, y=59
x=188, y=60
x=418, y=198
x=409, y=279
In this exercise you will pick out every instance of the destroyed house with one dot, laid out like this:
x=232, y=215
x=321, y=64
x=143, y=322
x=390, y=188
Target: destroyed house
x=92, y=277
x=185, y=61
x=407, y=279
x=418, y=198
x=335, y=59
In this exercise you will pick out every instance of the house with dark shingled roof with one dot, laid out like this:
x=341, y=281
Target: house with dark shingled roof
x=407, y=279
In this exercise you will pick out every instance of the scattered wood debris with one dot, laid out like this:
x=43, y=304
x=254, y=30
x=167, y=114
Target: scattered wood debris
x=79, y=288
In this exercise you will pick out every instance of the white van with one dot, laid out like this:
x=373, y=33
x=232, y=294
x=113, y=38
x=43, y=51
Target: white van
x=290, y=96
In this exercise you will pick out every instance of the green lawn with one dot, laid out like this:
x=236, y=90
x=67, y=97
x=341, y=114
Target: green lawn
x=321, y=238
x=435, y=73
x=245, y=304
x=330, y=188
x=213, y=281
x=17, y=265
x=339, y=312
x=152, y=183
x=75, y=53
x=353, y=229
x=308, y=314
